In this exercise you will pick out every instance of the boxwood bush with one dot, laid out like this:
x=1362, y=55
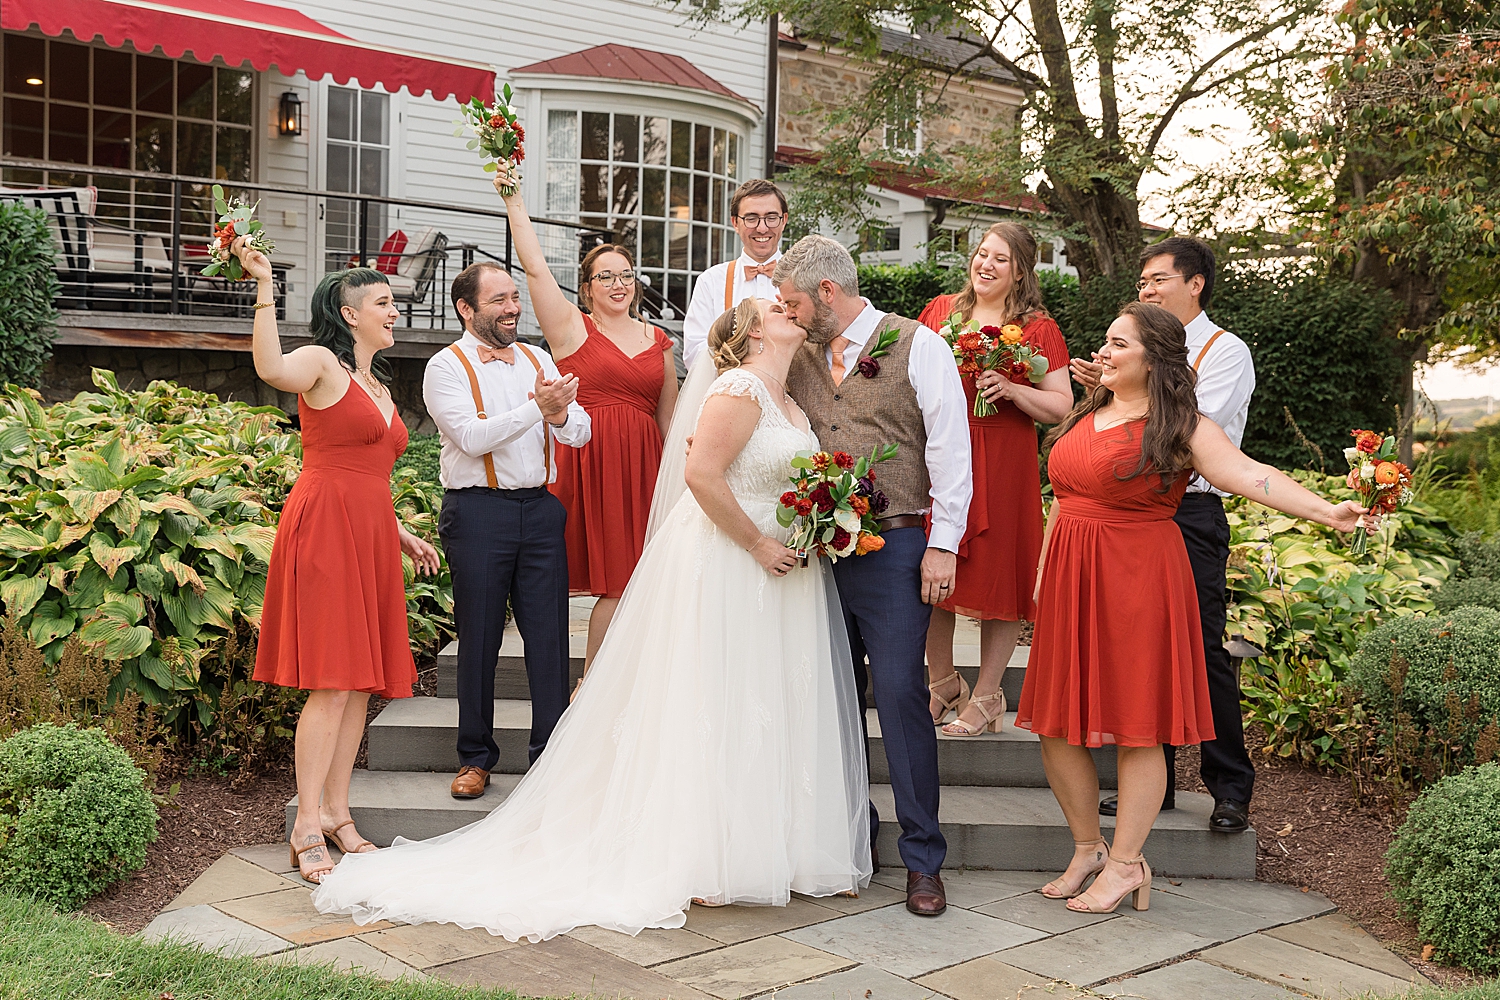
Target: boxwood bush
x=75, y=814
x=1444, y=868
x=1474, y=591
x=28, y=292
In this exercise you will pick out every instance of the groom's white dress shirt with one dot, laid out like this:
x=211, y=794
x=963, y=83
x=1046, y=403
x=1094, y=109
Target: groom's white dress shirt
x=945, y=414
x=1226, y=381
x=708, y=300
x=512, y=434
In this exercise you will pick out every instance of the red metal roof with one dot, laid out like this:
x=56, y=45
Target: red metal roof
x=241, y=31
x=625, y=62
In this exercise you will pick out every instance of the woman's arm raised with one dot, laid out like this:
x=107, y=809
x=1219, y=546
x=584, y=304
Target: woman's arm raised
x=560, y=320
x=1217, y=460
x=724, y=428
x=299, y=371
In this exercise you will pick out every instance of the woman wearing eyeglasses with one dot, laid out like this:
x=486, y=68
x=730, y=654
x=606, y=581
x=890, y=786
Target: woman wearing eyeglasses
x=627, y=382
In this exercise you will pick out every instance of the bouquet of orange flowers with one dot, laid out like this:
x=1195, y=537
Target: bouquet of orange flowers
x=992, y=348
x=497, y=133
x=236, y=219
x=1383, y=483
x=833, y=506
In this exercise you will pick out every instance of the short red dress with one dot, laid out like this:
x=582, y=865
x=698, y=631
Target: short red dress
x=1003, y=539
x=335, y=607
x=606, y=485
x=1117, y=656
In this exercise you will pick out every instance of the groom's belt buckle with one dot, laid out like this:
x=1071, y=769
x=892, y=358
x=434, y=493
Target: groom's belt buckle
x=900, y=521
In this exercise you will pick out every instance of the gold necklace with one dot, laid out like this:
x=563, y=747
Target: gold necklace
x=377, y=388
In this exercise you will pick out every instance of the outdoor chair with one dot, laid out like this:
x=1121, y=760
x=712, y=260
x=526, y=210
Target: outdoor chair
x=413, y=282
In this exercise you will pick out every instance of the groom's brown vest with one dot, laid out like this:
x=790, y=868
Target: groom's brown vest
x=860, y=413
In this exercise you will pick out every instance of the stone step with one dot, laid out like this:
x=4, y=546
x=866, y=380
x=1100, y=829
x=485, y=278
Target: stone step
x=418, y=734
x=510, y=667
x=1002, y=828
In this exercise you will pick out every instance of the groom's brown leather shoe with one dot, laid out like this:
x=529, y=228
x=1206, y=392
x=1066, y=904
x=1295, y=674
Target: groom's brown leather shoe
x=470, y=783
x=925, y=895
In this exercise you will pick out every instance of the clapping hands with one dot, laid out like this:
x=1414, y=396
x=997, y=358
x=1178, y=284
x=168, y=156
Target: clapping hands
x=553, y=396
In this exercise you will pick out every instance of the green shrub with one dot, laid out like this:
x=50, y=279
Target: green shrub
x=1444, y=868
x=422, y=456
x=28, y=290
x=1477, y=557
x=906, y=291
x=75, y=813
x=1467, y=450
x=1478, y=592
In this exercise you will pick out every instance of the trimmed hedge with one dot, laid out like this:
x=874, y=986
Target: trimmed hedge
x=28, y=292
x=1474, y=592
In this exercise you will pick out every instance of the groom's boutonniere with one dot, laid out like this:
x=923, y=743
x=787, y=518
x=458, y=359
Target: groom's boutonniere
x=868, y=366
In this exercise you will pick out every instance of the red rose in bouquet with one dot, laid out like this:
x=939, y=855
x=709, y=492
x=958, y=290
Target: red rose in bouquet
x=833, y=507
x=1383, y=484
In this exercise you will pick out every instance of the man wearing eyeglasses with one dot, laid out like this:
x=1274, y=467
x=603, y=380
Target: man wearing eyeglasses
x=1178, y=275
x=758, y=212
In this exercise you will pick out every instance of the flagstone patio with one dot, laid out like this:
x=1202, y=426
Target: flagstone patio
x=1238, y=940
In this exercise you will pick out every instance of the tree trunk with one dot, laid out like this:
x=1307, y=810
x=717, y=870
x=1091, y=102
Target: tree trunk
x=1110, y=220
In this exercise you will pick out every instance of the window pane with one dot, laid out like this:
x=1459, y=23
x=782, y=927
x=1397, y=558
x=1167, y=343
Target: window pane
x=562, y=187
x=654, y=193
x=682, y=142
x=340, y=115
x=340, y=167
x=652, y=245
x=700, y=248
x=680, y=195
x=732, y=168
x=716, y=201
x=562, y=135
x=371, y=171
x=677, y=244
x=677, y=293
x=153, y=206
x=70, y=72
x=23, y=128
x=232, y=159
x=153, y=84
x=656, y=131
x=626, y=194
x=624, y=232
x=195, y=91
x=372, y=121
x=700, y=198
x=153, y=144
x=627, y=148
x=112, y=139
x=111, y=77
x=195, y=149
x=595, y=136
x=234, y=96
x=25, y=59
x=702, y=140
x=718, y=151
x=593, y=188
x=114, y=192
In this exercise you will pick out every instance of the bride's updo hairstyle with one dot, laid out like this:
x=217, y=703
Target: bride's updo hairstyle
x=729, y=337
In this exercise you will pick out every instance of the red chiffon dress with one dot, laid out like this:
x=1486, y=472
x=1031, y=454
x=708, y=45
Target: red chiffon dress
x=1117, y=656
x=998, y=555
x=606, y=485
x=335, y=607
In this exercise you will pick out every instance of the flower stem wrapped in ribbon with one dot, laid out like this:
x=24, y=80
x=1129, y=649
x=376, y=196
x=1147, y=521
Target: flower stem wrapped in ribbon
x=834, y=507
x=1383, y=484
x=236, y=219
x=498, y=136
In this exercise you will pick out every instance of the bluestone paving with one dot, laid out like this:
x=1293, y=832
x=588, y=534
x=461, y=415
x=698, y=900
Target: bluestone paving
x=1337, y=935
x=350, y=955
x=1102, y=951
x=733, y=924
x=1279, y=903
x=753, y=967
x=985, y=978
x=1035, y=910
x=290, y=914
x=649, y=947
x=898, y=942
x=563, y=967
x=425, y=945
x=1184, y=913
x=227, y=878
x=871, y=897
x=863, y=982
x=972, y=888
x=1193, y=980
x=211, y=930
x=1300, y=968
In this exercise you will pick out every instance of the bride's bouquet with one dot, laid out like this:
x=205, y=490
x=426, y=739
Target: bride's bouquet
x=236, y=219
x=497, y=134
x=1383, y=483
x=833, y=506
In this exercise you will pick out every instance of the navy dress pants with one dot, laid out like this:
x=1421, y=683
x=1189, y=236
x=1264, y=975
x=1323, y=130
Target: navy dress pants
x=507, y=544
x=887, y=622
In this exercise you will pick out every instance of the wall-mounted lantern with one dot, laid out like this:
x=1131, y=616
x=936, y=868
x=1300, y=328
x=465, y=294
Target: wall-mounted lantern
x=290, y=117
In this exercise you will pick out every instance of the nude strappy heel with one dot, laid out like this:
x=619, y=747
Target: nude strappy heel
x=955, y=704
x=1061, y=890
x=316, y=875
x=991, y=723
x=337, y=841
x=1140, y=895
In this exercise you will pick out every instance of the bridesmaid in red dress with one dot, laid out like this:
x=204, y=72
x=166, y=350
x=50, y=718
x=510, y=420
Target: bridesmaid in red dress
x=627, y=383
x=1118, y=651
x=998, y=555
x=334, y=619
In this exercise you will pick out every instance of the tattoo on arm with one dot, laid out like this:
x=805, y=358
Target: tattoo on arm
x=1264, y=484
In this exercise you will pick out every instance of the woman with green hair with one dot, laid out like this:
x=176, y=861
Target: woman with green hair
x=334, y=621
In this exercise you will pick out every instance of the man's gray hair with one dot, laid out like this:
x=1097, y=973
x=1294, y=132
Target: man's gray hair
x=814, y=259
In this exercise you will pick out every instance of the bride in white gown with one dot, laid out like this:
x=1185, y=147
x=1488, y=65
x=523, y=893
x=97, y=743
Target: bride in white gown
x=715, y=752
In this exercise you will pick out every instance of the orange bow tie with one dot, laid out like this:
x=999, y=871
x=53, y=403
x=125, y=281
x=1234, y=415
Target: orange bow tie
x=768, y=269
x=488, y=354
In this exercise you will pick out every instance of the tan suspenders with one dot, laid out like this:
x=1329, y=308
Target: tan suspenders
x=489, y=463
x=729, y=285
x=1204, y=353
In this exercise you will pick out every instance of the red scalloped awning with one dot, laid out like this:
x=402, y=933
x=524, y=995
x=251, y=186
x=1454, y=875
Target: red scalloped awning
x=240, y=31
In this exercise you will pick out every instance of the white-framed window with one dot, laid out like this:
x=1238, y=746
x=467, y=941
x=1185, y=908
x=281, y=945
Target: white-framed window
x=661, y=184
x=903, y=135
x=358, y=160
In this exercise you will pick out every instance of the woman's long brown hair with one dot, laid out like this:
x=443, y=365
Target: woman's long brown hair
x=1025, y=298
x=1172, y=413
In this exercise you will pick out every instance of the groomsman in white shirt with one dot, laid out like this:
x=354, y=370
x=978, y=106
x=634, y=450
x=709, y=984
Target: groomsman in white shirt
x=1178, y=275
x=499, y=406
x=758, y=212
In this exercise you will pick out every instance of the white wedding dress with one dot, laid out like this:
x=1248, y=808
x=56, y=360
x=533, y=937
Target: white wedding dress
x=714, y=751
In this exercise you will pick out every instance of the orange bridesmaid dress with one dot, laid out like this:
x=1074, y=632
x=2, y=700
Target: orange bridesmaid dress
x=1117, y=656
x=606, y=485
x=1003, y=540
x=335, y=606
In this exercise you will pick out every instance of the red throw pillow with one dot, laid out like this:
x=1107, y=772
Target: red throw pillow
x=391, y=250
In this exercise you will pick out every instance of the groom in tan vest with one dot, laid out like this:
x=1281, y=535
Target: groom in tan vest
x=868, y=378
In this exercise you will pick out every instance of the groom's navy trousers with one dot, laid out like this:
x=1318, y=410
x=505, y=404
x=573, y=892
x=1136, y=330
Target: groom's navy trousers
x=887, y=621
x=507, y=544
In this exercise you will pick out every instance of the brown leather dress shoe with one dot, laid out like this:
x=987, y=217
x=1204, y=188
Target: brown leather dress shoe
x=470, y=783
x=925, y=895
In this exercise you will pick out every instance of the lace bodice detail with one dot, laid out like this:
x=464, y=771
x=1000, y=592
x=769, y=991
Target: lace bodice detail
x=758, y=475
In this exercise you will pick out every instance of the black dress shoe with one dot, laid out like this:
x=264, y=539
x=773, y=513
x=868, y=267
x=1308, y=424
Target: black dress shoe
x=1230, y=817
x=1109, y=806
